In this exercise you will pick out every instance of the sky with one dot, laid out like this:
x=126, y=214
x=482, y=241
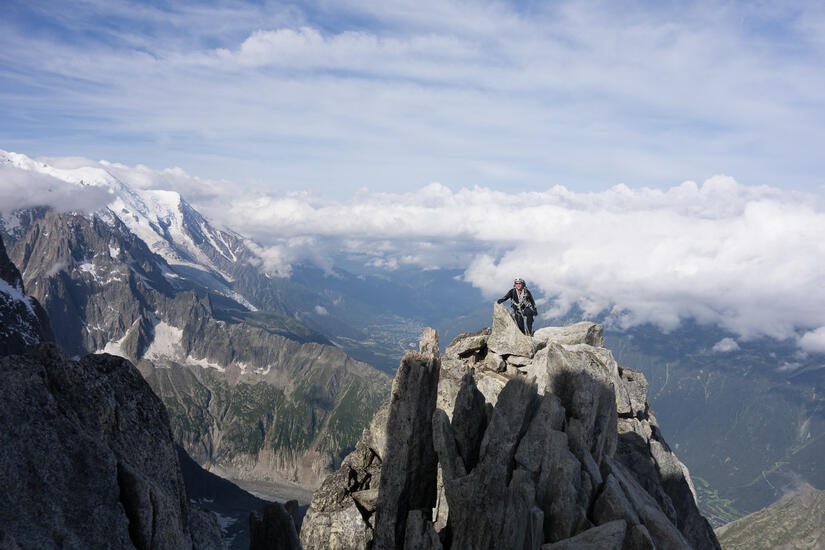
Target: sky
x=338, y=96
x=655, y=160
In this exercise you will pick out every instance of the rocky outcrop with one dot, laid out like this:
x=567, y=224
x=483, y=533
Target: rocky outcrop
x=87, y=458
x=23, y=322
x=558, y=450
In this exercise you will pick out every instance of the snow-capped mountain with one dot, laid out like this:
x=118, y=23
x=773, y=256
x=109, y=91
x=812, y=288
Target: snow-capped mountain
x=252, y=394
x=162, y=219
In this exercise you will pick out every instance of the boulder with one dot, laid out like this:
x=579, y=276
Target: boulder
x=636, y=385
x=585, y=332
x=506, y=339
x=467, y=344
x=339, y=516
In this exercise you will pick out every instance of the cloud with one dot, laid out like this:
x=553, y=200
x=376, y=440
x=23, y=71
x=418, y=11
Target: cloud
x=743, y=257
x=725, y=345
x=321, y=310
x=813, y=341
x=27, y=189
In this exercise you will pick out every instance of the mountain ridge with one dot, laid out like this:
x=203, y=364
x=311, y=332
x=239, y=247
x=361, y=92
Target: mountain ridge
x=107, y=290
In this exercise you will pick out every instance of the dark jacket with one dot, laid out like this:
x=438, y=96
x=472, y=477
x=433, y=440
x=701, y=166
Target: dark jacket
x=513, y=295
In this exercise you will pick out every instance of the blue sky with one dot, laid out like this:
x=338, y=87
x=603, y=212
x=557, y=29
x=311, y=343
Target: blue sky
x=334, y=97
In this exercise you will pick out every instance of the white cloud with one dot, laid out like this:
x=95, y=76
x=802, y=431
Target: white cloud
x=321, y=310
x=725, y=345
x=813, y=341
x=26, y=189
x=745, y=258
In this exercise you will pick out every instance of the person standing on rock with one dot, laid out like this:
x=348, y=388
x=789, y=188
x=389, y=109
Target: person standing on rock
x=524, y=307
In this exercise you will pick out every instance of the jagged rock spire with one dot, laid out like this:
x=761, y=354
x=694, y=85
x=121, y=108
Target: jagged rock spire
x=560, y=450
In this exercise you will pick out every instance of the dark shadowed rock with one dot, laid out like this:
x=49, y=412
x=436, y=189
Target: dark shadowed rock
x=420, y=534
x=469, y=421
x=206, y=531
x=87, y=456
x=274, y=529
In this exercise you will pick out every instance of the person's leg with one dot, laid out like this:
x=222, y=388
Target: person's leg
x=519, y=321
x=529, y=324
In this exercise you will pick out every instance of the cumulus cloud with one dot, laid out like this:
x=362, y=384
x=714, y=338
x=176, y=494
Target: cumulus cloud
x=725, y=345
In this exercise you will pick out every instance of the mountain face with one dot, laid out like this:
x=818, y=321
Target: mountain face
x=508, y=441
x=794, y=521
x=87, y=459
x=252, y=394
x=23, y=323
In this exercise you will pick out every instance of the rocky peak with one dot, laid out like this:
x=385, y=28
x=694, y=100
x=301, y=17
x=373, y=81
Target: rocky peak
x=510, y=441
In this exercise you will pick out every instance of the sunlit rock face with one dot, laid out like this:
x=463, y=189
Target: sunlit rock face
x=509, y=441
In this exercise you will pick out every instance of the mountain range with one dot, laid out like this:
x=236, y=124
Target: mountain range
x=252, y=394
x=152, y=279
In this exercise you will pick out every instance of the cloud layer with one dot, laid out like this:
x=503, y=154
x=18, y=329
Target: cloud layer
x=746, y=258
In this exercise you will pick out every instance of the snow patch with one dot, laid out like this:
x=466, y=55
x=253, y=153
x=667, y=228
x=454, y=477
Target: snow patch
x=113, y=348
x=88, y=267
x=16, y=295
x=166, y=345
x=263, y=371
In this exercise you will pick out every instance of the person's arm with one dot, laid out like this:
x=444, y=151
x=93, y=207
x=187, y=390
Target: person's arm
x=508, y=296
x=530, y=298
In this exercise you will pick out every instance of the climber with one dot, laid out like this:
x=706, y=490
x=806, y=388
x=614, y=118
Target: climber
x=524, y=307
